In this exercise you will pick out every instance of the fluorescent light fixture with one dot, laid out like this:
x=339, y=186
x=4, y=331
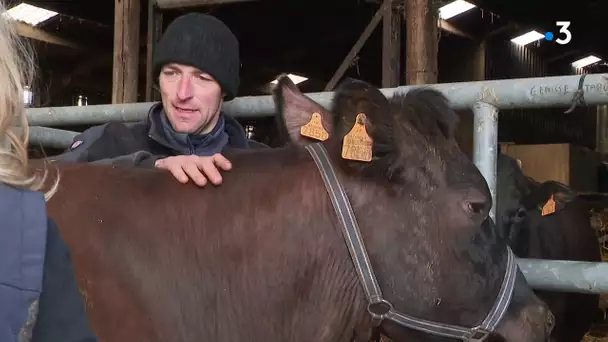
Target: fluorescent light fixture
x=454, y=8
x=28, y=96
x=29, y=14
x=294, y=78
x=583, y=62
x=527, y=38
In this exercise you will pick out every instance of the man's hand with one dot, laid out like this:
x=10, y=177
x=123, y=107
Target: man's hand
x=190, y=167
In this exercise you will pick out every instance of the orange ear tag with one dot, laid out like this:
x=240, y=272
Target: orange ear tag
x=314, y=128
x=357, y=144
x=549, y=207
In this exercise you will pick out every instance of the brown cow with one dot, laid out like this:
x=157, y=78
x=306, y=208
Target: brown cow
x=262, y=257
x=564, y=234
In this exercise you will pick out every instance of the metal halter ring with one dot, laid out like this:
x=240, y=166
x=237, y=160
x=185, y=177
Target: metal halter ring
x=477, y=335
x=378, y=310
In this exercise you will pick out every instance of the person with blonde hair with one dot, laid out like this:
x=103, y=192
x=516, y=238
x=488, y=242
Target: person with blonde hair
x=39, y=296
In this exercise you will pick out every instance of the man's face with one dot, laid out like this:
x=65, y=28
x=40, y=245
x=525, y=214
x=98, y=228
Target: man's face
x=192, y=99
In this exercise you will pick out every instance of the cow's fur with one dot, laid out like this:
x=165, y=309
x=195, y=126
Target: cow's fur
x=262, y=258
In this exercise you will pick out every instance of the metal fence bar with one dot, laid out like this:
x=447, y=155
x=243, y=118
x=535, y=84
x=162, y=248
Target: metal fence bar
x=555, y=91
x=565, y=275
x=485, y=141
x=51, y=137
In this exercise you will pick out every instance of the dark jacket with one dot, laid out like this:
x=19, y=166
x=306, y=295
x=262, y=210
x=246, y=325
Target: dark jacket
x=142, y=143
x=39, y=297
x=61, y=310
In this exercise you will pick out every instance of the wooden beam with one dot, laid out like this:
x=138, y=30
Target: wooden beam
x=31, y=32
x=422, y=42
x=446, y=26
x=357, y=47
x=155, y=26
x=126, y=51
x=391, y=46
x=150, y=50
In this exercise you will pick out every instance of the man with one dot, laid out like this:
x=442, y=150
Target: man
x=197, y=65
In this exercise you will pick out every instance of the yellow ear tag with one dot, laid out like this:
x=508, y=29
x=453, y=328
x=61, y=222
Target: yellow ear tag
x=357, y=144
x=314, y=128
x=549, y=207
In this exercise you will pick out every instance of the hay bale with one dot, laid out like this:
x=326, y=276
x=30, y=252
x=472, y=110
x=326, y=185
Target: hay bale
x=599, y=221
x=589, y=338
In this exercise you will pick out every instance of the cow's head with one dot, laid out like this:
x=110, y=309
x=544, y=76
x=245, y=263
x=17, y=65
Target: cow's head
x=523, y=203
x=422, y=207
x=531, y=228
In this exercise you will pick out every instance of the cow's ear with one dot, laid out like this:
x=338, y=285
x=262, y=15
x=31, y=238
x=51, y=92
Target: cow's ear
x=295, y=111
x=549, y=197
x=556, y=202
x=561, y=194
x=562, y=198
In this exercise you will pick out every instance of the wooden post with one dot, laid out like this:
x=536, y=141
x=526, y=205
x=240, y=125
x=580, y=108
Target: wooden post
x=155, y=27
x=391, y=46
x=126, y=51
x=422, y=41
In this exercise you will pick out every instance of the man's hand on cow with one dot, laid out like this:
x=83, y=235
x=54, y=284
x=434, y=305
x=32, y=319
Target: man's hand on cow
x=197, y=168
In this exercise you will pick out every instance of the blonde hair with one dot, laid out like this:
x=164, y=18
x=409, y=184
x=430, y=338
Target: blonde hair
x=16, y=70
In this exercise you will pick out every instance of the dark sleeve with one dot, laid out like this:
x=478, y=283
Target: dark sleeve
x=142, y=159
x=78, y=151
x=61, y=311
x=111, y=144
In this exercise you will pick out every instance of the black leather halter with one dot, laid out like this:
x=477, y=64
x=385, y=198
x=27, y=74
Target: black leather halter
x=379, y=308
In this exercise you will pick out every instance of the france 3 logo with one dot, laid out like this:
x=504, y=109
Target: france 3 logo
x=564, y=35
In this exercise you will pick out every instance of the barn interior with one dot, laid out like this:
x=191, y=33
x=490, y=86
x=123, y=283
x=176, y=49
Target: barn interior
x=323, y=42
x=313, y=38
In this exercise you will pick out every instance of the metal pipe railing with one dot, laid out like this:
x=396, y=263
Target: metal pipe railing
x=557, y=91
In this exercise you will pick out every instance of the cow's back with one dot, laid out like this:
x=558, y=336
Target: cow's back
x=171, y=257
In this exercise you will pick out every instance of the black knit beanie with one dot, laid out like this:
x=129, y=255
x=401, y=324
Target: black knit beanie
x=204, y=42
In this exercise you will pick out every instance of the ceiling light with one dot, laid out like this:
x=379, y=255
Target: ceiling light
x=583, y=62
x=454, y=8
x=30, y=14
x=294, y=78
x=527, y=38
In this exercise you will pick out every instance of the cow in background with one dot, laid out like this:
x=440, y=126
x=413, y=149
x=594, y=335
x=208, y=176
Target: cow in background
x=564, y=233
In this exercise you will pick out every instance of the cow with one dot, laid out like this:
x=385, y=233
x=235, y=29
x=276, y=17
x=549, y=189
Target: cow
x=308, y=242
x=563, y=232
